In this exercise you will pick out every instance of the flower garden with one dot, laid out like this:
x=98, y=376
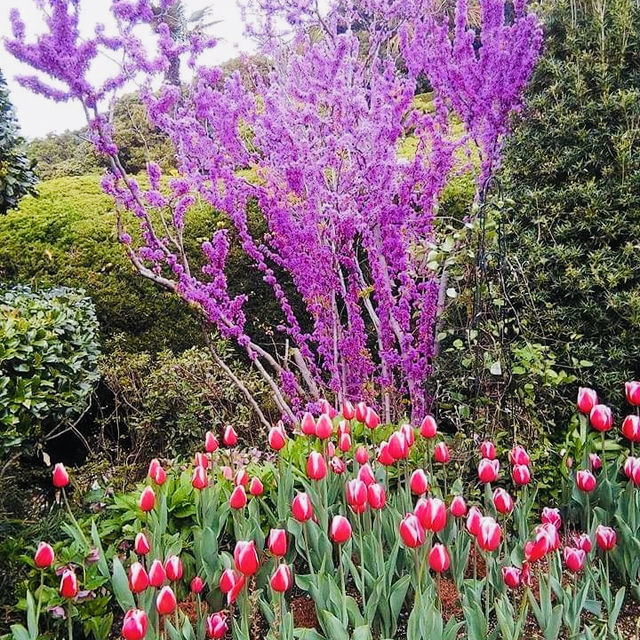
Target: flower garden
x=335, y=340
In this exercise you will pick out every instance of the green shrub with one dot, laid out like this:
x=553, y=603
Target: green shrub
x=48, y=361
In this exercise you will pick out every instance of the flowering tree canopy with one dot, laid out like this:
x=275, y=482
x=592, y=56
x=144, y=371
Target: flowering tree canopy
x=316, y=144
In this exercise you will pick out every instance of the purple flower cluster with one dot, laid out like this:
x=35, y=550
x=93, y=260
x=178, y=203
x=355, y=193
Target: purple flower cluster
x=315, y=143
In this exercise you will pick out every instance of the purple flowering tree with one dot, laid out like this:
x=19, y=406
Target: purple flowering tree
x=316, y=145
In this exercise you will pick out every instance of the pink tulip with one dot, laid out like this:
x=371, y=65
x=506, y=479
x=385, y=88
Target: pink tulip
x=521, y=474
x=210, y=442
x=366, y=475
x=439, y=558
x=60, y=476
x=362, y=455
x=308, y=425
x=68, y=584
x=281, y=579
x=173, y=568
x=585, y=480
x=601, y=417
x=316, y=466
x=230, y=437
x=458, y=507
x=519, y=456
x=441, y=453
x=154, y=465
x=587, y=399
x=348, y=410
x=409, y=434
x=277, y=542
x=44, y=556
x=256, y=488
x=376, y=496
x=356, y=494
x=340, y=530
x=595, y=462
x=632, y=391
x=512, y=577
x=605, y=538
x=337, y=465
x=147, y=499
x=201, y=460
x=489, y=534
x=488, y=450
x=166, y=602
x=135, y=625
x=277, y=438
x=228, y=579
x=398, y=446
x=411, y=531
x=371, y=419
x=583, y=541
x=157, y=574
x=548, y=531
x=324, y=427
x=241, y=478
x=488, y=470
x=301, y=507
x=361, y=412
x=238, y=497
x=245, y=557
x=502, y=501
x=138, y=578
x=216, y=626
x=432, y=514
x=199, y=480
x=196, y=585
x=551, y=516
x=574, y=559
x=384, y=456
x=429, y=427
x=631, y=428
x=418, y=482
x=474, y=518
x=344, y=442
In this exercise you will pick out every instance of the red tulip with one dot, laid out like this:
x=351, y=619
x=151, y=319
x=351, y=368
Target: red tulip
x=141, y=544
x=587, y=399
x=473, y=521
x=44, y=556
x=371, y=419
x=308, y=425
x=230, y=437
x=316, y=466
x=210, y=442
x=595, y=462
x=166, y=601
x=324, y=427
x=277, y=542
x=138, y=578
x=135, y=625
x=173, y=567
x=574, y=559
x=376, y=496
x=157, y=574
x=348, y=410
x=488, y=470
x=632, y=391
x=429, y=427
x=245, y=557
x=238, y=585
x=601, y=417
x=631, y=428
x=502, y=501
x=537, y=548
x=337, y=465
x=551, y=516
x=521, y=474
x=439, y=558
x=605, y=537
x=419, y=483
x=228, y=579
x=518, y=455
x=583, y=541
x=441, y=453
x=411, y=531
x=147, y=499
x=489, y=534
x=301, y=507
x=281, y=580
x=585, y=480
x=60, y=476
x=356, y=494
x=512, y=577
x=241, y=478
x=458, y=507
x=398, y=446
x=68, y=584
x=344, y=442
x=216, y=625
x=488, y=450
x=361, y=412
x=196, y=585
x=340, y=530
x=362, y=455
x=384, y=456
x=256, y=487
x=159, y=476
x=277, y=438
x=154, y=465
x=238, y=498
x=199, y=480
x=432, y=514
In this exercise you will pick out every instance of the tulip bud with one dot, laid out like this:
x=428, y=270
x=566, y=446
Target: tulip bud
x=473, y=521
x=301, y=507
x=166, y=601
x=348, y=410
x=488, y=450
x=432, y=514
x=245, y=557
x=356, y=493
x=521, y=474
x=201, y=460
x=147, y=499
x=366, y=475
x=583, y=541
x=344, y=442
x=585, y=480
x=489, y=534
x=154, y=465
x=238, y=498
x=138, y=578
x=277, y=542
x=216, y=626
x=488, y=470
x=418, y=482
x=601, y=417
x=44, y=556
x=551, y=516
x=230, y=437
x=587, y=399
x=574, y=559
x=308, y=425
x=281, y=580
x=210, y=442
x=199, y=480
x=340, y=530
x=428, y=427
x=441, y=453
x=362, y=455
x=316, y=466
x=398, y=446
x=384, y=456
x=228, y=579
x=141, y=544
x=408, y=433
x=197, y=585
x=361, y=412
x=241, y=478
x=605, y=537
x=371, y=419
x=324, y=427
x=135, y=625
x=458, y=507
x=376, y=496
x=173, y=568
x=68, y=584
x=632, y=392
x=277, y=438
x=411, y=531
x=439, y=558
x=502, y=501
x=631, y=428
x=60, y=476
x=519, y=456
x=337, y=465
x=256, y=487
x=595, y=462
x=512, y=577
x=159, y=476
x=157, y=574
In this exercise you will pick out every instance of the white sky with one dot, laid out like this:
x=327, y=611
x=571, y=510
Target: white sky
x=37, y=115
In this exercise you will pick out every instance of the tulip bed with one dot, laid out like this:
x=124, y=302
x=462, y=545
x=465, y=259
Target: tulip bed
x=374, y=523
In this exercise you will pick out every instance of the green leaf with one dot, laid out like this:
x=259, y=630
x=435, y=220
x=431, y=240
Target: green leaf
x=331, y=626
x=121, y=588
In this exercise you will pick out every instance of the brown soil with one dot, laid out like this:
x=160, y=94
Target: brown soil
x=304, y=612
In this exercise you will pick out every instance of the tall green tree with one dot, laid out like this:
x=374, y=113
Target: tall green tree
x=17, y=177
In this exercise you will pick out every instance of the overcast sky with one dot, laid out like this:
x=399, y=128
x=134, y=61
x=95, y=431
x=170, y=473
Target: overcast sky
x=38, y=116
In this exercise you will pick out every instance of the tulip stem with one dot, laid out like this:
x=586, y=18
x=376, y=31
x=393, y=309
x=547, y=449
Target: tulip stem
x=282, y=614
x=38, y=608
x=604, y=457
x=345, y=619
x=305, y=535
x=362, y=570
x=69, y=622
x=73, y=518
